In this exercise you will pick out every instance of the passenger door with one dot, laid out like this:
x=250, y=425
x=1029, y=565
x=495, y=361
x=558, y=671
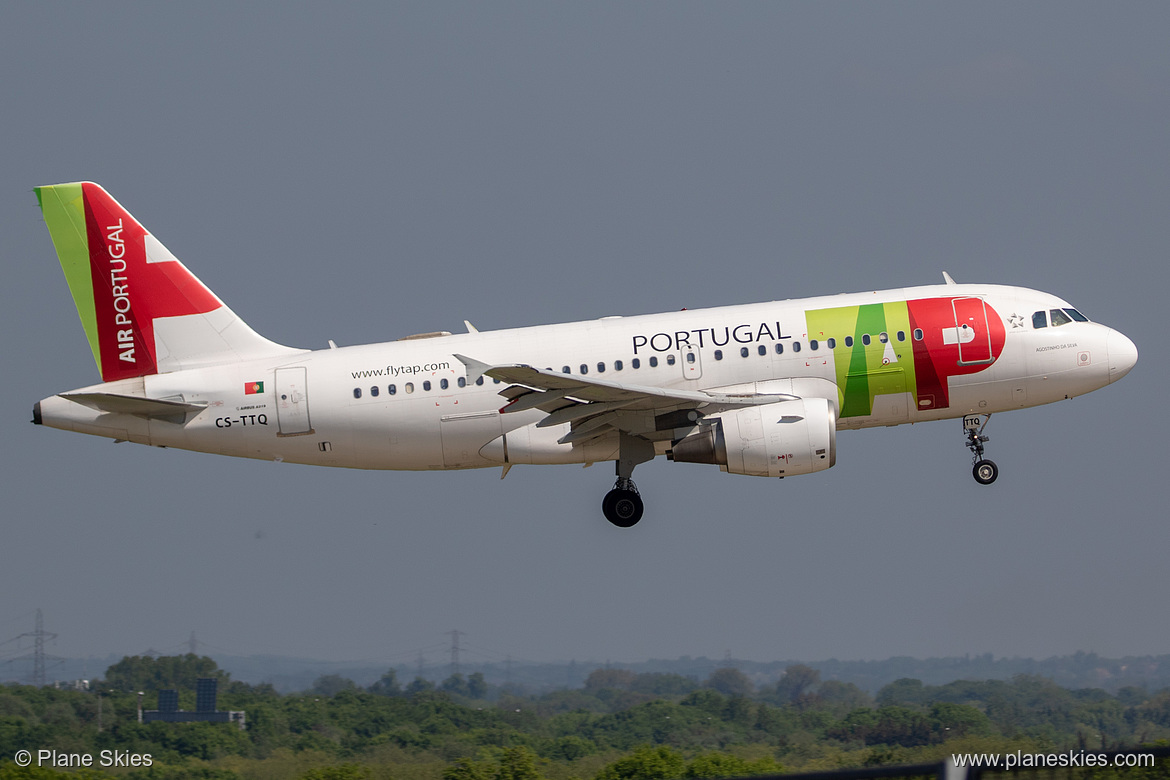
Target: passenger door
x=292, y=402
x=971, y=331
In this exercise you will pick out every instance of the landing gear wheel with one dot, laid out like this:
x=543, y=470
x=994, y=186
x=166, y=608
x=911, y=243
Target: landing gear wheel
x=985, y=471
x=622, y=507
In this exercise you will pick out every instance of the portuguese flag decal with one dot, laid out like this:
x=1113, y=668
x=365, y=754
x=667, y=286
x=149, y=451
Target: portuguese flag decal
x=252, y=388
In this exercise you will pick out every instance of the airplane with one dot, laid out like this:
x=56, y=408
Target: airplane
x=757, y=389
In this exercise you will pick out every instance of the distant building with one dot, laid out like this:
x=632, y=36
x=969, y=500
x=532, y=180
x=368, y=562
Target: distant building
x=71, y=685
x=206, y=692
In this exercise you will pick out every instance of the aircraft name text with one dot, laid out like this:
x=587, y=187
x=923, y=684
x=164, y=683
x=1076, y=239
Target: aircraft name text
x=703, y=337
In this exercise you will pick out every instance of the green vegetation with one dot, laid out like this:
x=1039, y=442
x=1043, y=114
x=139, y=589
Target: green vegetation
x=618, y=726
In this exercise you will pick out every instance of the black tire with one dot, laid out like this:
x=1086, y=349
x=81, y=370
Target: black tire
x=623, y=508
x=985, y=471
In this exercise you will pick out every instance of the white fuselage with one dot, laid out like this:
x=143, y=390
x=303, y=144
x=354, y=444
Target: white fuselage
x=410, y=404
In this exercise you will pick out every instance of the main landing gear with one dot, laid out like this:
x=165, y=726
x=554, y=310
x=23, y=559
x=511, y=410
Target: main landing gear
x=622, y=506
x=985, y=471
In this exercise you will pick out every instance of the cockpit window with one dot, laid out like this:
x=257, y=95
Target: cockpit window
x=1040, y=319
x=1076, y=315
x=1059, y=318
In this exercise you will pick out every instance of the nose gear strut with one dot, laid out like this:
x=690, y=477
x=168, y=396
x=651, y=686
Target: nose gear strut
x=985, y=471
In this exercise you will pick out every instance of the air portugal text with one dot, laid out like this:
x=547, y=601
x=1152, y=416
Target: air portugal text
x=121, y=291
x=716, y=337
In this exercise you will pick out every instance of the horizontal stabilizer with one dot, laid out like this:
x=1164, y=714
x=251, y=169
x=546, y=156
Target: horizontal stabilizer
x=150, y=408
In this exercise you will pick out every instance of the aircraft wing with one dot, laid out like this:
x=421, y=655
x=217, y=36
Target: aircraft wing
x=596, y=406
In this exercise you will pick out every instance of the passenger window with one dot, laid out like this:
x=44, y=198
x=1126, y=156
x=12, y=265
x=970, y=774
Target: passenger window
x=617, y=365
x=849, y=341
x=584, y=369
x=495, y=381
x=796, y=346
x=443, y=384
x=1040, y=320
x=832, y=343
x=918, y=334
x=813, y=344
x=462, y=381
x=865, y=339
x=718, y=354
x=566, y=370
x=763, y=350
x=743, y=351
x=1059, y=318
x=601, y=368
x=1076, y=315
x=374, y=391
x=901, y=335
x=427, y=385
x=409, y=387
x=690, y=357
x=670, y=360
x=479, y=381
x=779, y=348
x=884, y=337
x=393, y=389
x=357, y=392
x=653, y=362
x=636, y=363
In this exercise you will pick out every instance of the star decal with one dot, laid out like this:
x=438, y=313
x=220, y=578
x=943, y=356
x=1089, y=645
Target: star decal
x=1016, y=320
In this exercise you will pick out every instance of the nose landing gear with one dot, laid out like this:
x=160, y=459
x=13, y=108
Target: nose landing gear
x=985, y=471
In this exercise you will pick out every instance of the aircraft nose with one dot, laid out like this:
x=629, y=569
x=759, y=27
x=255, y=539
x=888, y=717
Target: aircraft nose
x=1123, y=355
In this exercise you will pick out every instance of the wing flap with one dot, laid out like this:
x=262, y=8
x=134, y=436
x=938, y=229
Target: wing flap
x=578, y=412
x=533, y=399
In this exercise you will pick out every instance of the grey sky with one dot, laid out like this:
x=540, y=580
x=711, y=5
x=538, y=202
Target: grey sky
x=361, y=172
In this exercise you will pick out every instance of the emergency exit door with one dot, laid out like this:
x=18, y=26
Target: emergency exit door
x=692, y=366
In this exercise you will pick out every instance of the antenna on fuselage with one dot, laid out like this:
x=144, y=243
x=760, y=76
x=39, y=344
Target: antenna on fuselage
x=947, y=278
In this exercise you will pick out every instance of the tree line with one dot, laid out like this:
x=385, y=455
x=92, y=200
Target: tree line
x=620, y=725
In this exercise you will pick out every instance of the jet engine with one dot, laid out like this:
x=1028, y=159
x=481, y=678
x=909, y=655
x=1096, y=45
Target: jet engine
x=773, y=440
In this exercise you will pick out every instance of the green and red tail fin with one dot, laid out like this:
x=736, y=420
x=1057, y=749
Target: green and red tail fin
x=142, y=310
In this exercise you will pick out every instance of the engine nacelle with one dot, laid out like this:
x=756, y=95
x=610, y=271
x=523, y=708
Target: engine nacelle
x=774, y=440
